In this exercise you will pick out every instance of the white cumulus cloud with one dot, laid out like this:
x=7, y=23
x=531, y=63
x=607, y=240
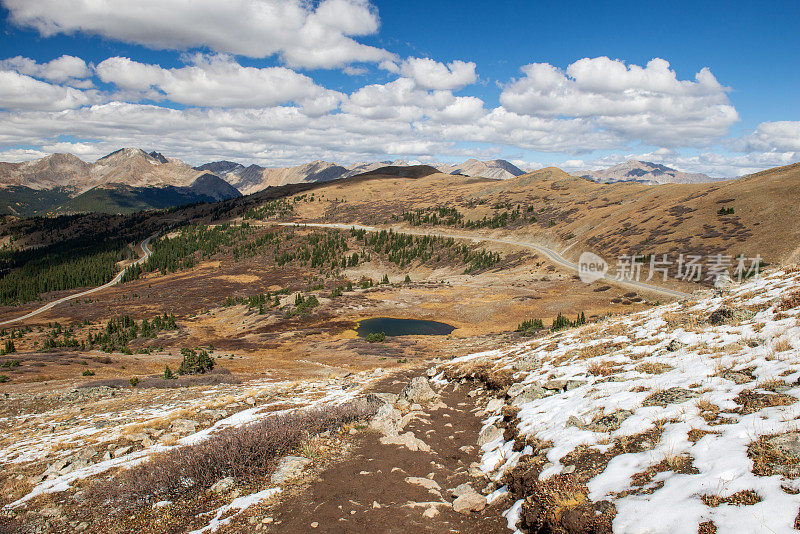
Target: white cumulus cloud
x=430, y=74
x=302, y=34
x=218, y=81
x=775, y=136
x=65, y=69
x=647, y=104
x=22, y=92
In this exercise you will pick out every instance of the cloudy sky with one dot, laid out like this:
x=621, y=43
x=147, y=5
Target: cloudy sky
x=698, y=86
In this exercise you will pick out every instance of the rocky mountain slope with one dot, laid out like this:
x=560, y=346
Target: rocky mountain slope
x=255, y=178
x=245, y=179
x=678, y=419
x=644, y=172
x=56, y=171
x=136, y=168
x=130, y=166
x=733, y=217
x=127, y=179
x=498, y=169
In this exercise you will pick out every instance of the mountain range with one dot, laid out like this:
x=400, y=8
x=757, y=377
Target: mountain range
x=644, y=172
x=124, y=181
x=254, y=178
x=131, y=179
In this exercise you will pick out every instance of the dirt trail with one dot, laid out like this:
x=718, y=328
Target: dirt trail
x=342, y=498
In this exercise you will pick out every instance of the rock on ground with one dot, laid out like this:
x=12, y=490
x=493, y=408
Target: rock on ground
x=418, y=391
x=407, y=440
x=469, y=502
x=222, y=486
x=289, y=467
x=488, y=434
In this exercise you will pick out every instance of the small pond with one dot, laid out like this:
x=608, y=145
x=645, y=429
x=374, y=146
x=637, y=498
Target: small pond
x=402, y=327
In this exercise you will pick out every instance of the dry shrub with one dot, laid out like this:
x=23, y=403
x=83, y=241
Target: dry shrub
x=160, y=423
x=246, y=453
x=705, y=405
x=653, y=368
x=686, y=320
x=588, y=332
x=697, y=434
x=781, y=345
x=500, y=379
x=751, y=402
x=707, y=527
x=679, y=463
x=469, y=369
x=483, y=371
x=740, y=498
x=598, y=350
x=789, y=302
x=616, y=329
x=601, y=368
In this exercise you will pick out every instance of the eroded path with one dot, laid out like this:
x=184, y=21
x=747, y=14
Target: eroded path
x=390, y=488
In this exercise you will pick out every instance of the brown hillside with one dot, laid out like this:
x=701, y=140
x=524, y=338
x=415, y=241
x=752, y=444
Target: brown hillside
x=411, y=171
x=614, y=219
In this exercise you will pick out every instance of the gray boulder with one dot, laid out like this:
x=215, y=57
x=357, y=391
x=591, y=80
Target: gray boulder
x=222, y=486
x=527, y=393
x=469, y=502
x=386, y=420
x=183, y=426
x=674, y=395
x=490, y=433
x=418, y=391
x=289, y=467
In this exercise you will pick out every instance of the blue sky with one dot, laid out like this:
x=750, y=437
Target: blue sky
x=702, y=86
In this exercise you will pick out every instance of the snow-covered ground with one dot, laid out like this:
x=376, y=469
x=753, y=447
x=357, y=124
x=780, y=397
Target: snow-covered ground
x=132, y=420
x=702, y=402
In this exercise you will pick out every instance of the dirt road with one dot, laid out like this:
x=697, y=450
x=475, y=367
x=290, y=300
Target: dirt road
x=551, y=254
x=146, y=254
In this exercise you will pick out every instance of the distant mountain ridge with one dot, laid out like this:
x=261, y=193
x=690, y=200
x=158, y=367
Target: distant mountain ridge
x=644, y=172
x=128, y=179
x=498, y=169
x=131, y=178
x=255, y=178
x=401, y=171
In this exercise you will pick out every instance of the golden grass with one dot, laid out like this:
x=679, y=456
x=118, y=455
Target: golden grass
x=685, y=320
x=159, y=423
x=603, y=368
x=781, y=345
x=705, y=405
x=740, y=498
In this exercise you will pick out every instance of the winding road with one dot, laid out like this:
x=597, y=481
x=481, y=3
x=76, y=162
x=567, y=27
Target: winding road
x=551, y=254
x=145, y=249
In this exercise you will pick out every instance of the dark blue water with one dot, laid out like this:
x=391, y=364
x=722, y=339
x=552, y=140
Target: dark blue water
x=402, y=327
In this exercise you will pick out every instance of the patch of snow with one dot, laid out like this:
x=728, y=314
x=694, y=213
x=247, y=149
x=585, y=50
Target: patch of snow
x=239, y=504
